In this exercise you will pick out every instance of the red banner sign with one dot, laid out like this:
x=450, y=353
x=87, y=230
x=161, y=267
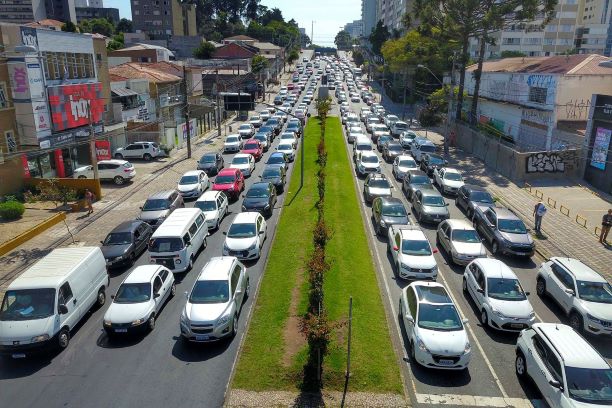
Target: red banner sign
x=72, y=105
x=103, y=149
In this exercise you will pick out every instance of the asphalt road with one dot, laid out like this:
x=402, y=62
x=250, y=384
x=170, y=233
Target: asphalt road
x=491, y=371
x=153, y=370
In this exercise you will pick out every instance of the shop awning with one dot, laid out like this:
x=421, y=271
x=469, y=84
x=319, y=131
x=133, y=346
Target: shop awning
x=121, y=91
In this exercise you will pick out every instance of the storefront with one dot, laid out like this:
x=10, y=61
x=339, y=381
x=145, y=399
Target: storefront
x=598, y=169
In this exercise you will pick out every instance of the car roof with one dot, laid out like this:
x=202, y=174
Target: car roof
x=142, y=273
x=504, y=213
x=128, y=226
x=193, y=173
x=113, y=161
x=423, y=142
x=566, y=341
x=579, y=269
x=240, y=155
x=264, y=185
x=431, y=193
x=416, y=172
x=161, y=194
x=389, y=200
x=431, y=292
x=227, y=172
x=456, y=223
x=247, y=217
x=276, y=154
x=368, y=153
x=233, y=135
x=210, y=195
x=210, y=154
x=472, y=187
x=451, y=170
x=494, y=268
x=405, y=157
x=217, y=268
x=411, y=232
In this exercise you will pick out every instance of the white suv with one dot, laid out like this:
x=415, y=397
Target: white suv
x=567, y=370
x=412, y=255
x=117, y=170
x=215, y=301
x=583, y=294
x=138, y=150
x=435, y=331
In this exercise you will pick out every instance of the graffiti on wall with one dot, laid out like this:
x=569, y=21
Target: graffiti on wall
x=537, y=116
x=541, y=81
x=577, y=109
x=545, y=163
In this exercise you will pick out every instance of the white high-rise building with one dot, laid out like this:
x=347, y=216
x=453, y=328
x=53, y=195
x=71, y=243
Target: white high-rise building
x=368, y=16
x=355, y=29
x=391, y=13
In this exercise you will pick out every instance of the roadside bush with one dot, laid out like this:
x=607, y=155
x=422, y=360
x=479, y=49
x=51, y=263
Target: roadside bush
x=11, y=210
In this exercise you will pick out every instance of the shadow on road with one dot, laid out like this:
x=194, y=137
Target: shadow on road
x=193, y=353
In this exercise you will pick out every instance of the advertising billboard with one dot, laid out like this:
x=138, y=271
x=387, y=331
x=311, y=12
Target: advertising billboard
x=71, y=105
x=601, y=144
x=103, y=150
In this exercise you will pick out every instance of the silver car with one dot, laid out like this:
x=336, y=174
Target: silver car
x=429, y=206
x=460, y=241
x=376, y=185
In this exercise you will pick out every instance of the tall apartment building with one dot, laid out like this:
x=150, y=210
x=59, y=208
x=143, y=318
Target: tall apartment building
x=26, y=11
x=368, y=16
x=594, y=33
x=88, y=13
x=355, y=29
x=391, y=13
x=89, y=3
x=162, y=19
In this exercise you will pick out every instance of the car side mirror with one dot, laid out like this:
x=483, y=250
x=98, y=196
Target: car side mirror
x=527, y=293
x=102, y=242
x=465, y=321
x=113, y=297
x=140, y=208
x=555, y=384
x=395, y=248
x=224, y=232
x=480, y=290
x=446, y=204
x=155, y=296
x=62, y=309
x=570, y=292
x=409, y=318
x=261, y=232
x=435, y=250
x=186, y=294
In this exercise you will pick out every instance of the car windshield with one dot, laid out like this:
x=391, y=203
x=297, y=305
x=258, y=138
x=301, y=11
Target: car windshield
x=27, y=304
x=241, y=231
x=436, y=160
x=257, y=193
x=469, y=236
x=481, y=197
x=188, y=180
x=599, y=292
x=208, y=159
x=210, y=205
x=245, y=127
x=434, y=201
x=439, y=317
x=428, y=148
x=285, y=147
x=395, y=148
x=261, y=138
x=419, y=180
x=255, y=118
x=118, y=238
x=593, y=386
x=133, y=293
x=453, y=176
x=276, y=160
x=383, y=139
x=240, y=160
x=233, y=139
x=225, y=179
x=407, y=163
x=163, y=244
x=250, y=146
x=394, y=210
x=512, y=226
x=416, y=248
x=505, y=289
x=210, y=291
x=379, y=183
x=369, y=159
x=271, y=173
x=155, y=204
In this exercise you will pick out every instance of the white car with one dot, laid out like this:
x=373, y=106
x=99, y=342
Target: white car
x=215, y=301
x=255, y=121
x=245, y=236
x=371, y=120
x=398, y=127
x=390, y=120
x=498, y=295
x=264, y=115
x=460, y=241
x=287, y=148
x=448, y=179
x=401, y=165
x=243, y=162
x=214, y=205
x=583, y=294
x=193, y=184
x=435, y=331
x=246, y=130
x=354, y=135
x=139, y=299
x=233, y=143
x=289, y=137
x=117, y=170
x=367, y=163
x=138, y=150
x=567, y=370
x=411, y=253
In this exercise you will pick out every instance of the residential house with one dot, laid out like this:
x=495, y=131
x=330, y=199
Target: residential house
x=140, y=53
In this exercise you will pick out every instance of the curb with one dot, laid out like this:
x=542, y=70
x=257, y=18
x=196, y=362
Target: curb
x=24, y=237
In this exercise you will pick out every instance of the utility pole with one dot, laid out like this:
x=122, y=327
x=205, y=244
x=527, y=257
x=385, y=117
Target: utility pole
x=218, y=104
x=450, y=105
x=92, y=143
x=382, y=84
x=187, y=113
x=312, y=32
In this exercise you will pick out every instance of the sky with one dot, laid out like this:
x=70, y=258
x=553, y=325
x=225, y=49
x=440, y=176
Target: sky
x=329, y=16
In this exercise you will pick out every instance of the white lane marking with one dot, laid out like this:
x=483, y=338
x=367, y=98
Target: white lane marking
x=476, y=401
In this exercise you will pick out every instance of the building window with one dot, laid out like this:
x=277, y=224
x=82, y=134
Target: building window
x=11, y=144
x=4, y=101
x=537, y=95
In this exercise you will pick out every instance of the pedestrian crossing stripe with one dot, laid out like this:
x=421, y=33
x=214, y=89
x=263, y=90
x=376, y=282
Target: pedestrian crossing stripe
x=477, y=401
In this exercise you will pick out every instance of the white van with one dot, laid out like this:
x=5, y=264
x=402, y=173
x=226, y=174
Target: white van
x=48, y=300
x=176, y=242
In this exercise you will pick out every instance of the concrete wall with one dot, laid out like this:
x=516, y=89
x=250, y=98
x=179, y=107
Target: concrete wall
x=11, y=176
x=574, y=95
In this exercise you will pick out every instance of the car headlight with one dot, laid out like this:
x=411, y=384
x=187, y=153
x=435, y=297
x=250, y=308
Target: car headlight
x=467, y=348
x=252, y=247
x=404, y=266
x=531, y=315
x=231, y=188
x=225, y=247
x=184, y=319
x=42, y=337
x=422, y=346
x=267, y=206
x=223, y=319
x=593, y=318
x=498, y=313
x=244, y=208
x=383, y=223
x=107, y=323
x=138, y=322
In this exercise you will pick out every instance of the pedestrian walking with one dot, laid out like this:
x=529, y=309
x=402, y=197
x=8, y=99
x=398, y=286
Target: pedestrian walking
x=538, y=212
x=89, y=199
x=606, y=223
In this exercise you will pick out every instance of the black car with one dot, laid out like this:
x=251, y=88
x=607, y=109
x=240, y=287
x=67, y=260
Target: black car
x=391, y=150
x=278, y=100
x=415, y=180
x=269, y=129
x=265, y=138
x=211, y=163
x=276, y=175
x=279, y=159
x=387, y=211
x=295, y=127
x=470, y=196
x=125, y=243
x=431, y=161
x=276, y=124
x=261, y=197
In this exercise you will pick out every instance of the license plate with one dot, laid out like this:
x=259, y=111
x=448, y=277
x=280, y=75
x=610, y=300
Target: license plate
x=436, y=219
x=120, y=330
x=18, y=355
x=202, y=338
x=516, y=325
x=446, y=362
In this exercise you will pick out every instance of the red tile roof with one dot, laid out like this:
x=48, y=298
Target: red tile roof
x=134, y=70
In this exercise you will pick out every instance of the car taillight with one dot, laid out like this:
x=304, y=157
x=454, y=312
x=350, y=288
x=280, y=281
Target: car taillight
x=128, y=170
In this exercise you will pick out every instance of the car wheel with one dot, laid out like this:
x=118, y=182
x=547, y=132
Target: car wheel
x=173, y=289
x=412, y=352
x=132, y=259
x=575, y=321
x=464, y=285
x=541, y=287
x=147, y=157
x=419, y=217
x=520, y=366
x=470, y=214
x=247, y=290
x=234, y=324
x=484, y=319
x=119, y=180
x=151, y=323
x=63, y=338
x=82, y=177
x=101, y=298
x=190, y=266
x=495, y=247
x=118, y=156
x=218, y=223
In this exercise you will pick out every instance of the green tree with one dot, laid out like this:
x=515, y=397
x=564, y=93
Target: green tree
x=379, y=35
x=98, y=26
x=259, y=63
x=294, y=55
x=358, y=58
x=512, y=54
x=343, y=40
x=124, y=26
x=70, y=27
x=251, y=9
x=205, y=50
x=117, y=42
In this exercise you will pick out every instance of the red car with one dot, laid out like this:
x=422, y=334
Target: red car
x=290, y=86
x=230, y=181
x=254, y=148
